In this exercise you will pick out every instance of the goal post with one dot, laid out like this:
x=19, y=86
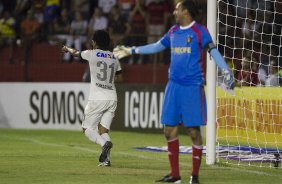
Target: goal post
x=211, y=87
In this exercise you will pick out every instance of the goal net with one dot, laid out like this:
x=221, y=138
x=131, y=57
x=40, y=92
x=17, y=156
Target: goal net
x=249, y=124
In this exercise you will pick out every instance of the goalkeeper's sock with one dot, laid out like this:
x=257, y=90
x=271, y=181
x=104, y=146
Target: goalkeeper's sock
x=196, y=159
x=107, y=138
x=173, y=155
x=94, y=136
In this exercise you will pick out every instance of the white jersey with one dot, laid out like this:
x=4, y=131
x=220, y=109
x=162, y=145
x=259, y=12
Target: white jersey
x=103, y=67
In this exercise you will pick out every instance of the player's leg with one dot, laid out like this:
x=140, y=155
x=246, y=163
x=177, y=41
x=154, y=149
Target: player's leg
x=170, y=118
x=106, y=150
x=171, y=134
x=94, y=136
x=104, y=127
x=197, y=148
x=193, y=109
x=92, y=117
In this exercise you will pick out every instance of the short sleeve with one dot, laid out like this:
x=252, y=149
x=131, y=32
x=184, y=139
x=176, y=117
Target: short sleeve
x=86, y=55
x=165, y=41
x=206, y=37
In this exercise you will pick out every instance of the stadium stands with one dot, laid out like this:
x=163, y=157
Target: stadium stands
x=45, y=65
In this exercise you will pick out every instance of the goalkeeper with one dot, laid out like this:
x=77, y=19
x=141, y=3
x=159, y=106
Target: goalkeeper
x=184, y=99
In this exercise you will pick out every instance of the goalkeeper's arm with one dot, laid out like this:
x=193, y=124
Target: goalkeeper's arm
x=123, y=51
x=219, y=60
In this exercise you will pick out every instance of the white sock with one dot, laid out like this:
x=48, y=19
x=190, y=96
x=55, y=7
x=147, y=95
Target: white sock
x=94, y=136
x=106, y=137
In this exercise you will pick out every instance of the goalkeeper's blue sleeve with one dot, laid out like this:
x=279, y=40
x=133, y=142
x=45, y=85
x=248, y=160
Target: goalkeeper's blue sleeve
x=150, y=48
x=219, y=60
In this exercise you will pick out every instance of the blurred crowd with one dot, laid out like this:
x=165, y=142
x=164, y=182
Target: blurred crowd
x=72, y=22
x=250, y=40
x=249, y=31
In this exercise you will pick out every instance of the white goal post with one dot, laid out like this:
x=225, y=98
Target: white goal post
x=211, y=85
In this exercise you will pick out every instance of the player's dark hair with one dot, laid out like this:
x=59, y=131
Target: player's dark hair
x=191, y=6
x=102, y=39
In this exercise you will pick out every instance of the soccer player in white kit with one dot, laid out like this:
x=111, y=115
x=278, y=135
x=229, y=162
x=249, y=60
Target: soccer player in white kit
x=102, y=102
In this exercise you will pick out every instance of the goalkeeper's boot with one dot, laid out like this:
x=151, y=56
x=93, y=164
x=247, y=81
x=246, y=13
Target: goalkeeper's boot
x=106, y=163
x=170, y=179
x=194, y=180
x=105, y=150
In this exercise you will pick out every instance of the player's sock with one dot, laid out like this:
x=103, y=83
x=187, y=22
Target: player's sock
x=173, y=155
x=94, y=136
x=196, y=159
x=107, y=138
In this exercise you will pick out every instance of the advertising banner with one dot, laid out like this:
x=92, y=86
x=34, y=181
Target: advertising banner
x=61, y=106
x=42, y=105
x=253, y=115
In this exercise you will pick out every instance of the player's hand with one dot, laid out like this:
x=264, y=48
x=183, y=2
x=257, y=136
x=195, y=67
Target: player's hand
x=122, y=51
x=64, y=48
x=228, y=79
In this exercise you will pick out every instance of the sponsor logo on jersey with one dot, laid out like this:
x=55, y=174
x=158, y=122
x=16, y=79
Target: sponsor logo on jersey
x=181, y=50
x=105, y=55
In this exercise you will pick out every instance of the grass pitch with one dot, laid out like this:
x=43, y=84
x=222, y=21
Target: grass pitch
x=66, y=157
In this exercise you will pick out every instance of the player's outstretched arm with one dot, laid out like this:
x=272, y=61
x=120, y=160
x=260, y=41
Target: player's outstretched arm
x=72, y=51
x=124, y=51
x=228, y=78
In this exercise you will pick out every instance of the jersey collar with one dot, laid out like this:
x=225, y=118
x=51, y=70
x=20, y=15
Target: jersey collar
x=189, y=26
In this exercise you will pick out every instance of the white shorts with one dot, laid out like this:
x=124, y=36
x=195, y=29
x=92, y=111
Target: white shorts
x=99, y=111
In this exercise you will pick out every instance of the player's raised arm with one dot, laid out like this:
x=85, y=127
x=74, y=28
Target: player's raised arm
x=124, y=51
x=72, y=51
x=228, y=79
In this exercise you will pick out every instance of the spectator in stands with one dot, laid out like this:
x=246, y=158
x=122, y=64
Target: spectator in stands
x=38, y=8
x=248, y=74
x=137, y=20
x=157, y=19
x=119, y=28
x=251, y=28
x=125, y=6
x=78, y=34
x=157, y=14
x=61, y=28
x=30, y=29
x=280, y=75
x=264, y=65
x=7, y=33
x=81, y=6
x=20, y=12
x=106, y=6
x=38, y=13
x=273, y=79
x=51, y=10
x=1, y=7
x=97, y=22
x=262, y=74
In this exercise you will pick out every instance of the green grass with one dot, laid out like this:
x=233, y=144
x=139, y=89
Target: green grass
x=55, y=156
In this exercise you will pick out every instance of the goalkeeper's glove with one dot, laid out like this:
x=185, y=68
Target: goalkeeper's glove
x=228, y=79
x=122, y=51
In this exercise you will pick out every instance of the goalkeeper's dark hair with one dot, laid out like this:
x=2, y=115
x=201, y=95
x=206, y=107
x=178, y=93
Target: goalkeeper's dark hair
x=102, y=39
x=191, y=6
